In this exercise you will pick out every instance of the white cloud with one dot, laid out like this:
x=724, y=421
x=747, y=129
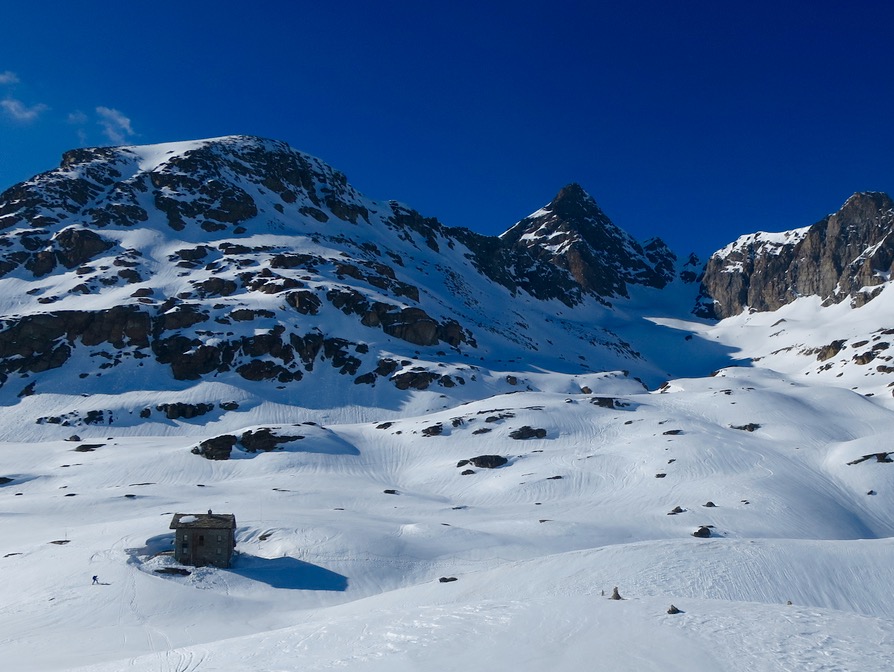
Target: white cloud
x=17, y=110
x=115, y=125
x=7, y=77
x=77, y=117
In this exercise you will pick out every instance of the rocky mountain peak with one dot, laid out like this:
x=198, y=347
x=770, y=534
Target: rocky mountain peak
x=573, y=233
x=865, y=207
x=847, y=255
x=243, y=260
x=573, y=203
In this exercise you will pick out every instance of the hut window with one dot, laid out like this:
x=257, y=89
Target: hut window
x=219, y=537
x=218, y=551
x=201, y=540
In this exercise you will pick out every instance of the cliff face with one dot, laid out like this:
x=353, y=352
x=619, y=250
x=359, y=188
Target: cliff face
x=845, y=256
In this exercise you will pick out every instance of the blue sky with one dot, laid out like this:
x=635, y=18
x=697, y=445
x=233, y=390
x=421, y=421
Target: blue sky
x=693, y=121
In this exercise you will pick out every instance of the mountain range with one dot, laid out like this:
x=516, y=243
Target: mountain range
x=201, y=321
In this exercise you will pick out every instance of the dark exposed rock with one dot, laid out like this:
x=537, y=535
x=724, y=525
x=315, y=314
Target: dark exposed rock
x=434, y=430
x=181, y=317
x=265, y=440
x=829, y=351
x=673, y=432
x=386, y=367
x=834, y=259
x=527, y=432
x=41, y=263
x=750, y=427
x=247, y=315
x=217, y=448
x=262, y=369
x=183, y=410
x=467, y=472
x=75, y=246
x=413, y=325
x=193, y=253
x=447, y=579
x=304, y=301
x=417, y=380
x=216, y=286
x=702, y=532
x=88, y=447
x=489, y=461
x=40, y=342
x=601, y=258
x=879, y=457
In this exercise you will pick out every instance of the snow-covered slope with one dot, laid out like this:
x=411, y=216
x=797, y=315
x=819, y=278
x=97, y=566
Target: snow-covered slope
x=332, y=571
x=238, y=269
x=443, y=450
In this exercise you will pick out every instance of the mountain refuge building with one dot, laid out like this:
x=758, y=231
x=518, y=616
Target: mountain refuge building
x=204, y=538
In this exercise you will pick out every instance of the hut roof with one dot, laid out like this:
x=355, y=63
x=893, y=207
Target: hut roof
x=206, y=521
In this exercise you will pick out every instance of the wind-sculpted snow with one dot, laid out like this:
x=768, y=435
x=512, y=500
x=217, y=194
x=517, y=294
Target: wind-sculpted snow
x=365, y=518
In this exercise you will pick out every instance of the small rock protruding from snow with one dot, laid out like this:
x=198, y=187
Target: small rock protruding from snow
x=673, y=610
x=615, y=594
x=488, y=461
x=702, y=532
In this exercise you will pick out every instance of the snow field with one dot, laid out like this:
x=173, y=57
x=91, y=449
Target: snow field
x=334, y=572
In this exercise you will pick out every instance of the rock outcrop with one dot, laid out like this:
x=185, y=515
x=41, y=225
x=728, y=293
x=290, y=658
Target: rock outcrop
x=574, y=234
x=845, y=256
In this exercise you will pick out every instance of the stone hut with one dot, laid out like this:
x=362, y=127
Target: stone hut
x=204, y=538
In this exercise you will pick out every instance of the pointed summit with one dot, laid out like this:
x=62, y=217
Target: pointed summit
x=572, y=201
x=572, y=232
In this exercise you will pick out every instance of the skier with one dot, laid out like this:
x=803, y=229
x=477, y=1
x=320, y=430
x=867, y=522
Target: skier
x=95, y=580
